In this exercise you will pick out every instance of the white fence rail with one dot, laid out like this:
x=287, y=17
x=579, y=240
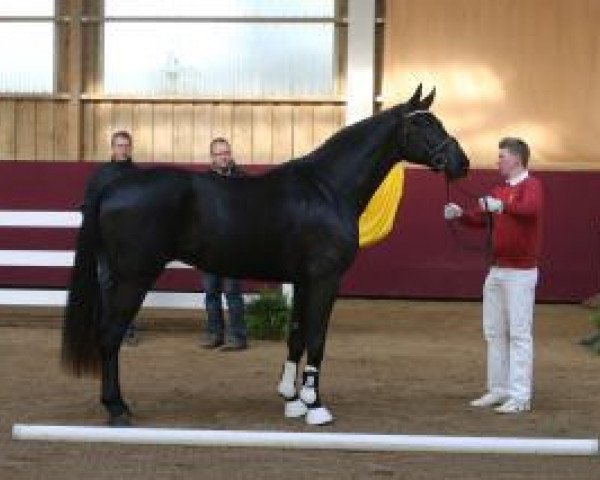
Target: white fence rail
x=39, y=219
x=64, y=259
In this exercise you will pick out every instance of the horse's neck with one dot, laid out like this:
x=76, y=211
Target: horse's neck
x=355, y=161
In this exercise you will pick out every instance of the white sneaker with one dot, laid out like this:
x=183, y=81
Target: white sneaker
x=514, y=406
x=489, y=400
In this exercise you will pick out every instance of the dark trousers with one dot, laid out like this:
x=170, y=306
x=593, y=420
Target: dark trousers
x=214, y=287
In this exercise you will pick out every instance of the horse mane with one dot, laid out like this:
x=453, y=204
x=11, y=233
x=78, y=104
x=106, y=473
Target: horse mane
x=350, y=134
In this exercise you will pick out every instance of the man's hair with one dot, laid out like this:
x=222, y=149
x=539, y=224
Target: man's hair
x=517, y=147
x=216, y=140
x=120, y=134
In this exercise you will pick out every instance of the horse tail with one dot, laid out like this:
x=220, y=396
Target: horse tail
x=80, y=334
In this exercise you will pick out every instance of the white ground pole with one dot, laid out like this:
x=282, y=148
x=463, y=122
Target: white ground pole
x=308, y=440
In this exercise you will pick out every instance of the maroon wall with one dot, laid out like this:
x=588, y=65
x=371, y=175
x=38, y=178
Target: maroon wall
x=420, y=259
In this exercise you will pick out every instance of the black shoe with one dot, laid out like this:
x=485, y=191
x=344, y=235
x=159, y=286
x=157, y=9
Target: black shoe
x=235, y=346
x=212, y=343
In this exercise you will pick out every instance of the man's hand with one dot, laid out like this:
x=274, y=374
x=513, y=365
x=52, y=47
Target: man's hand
x=491, y=204
x=452, y=211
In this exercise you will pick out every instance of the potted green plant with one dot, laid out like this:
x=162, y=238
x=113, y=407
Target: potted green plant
x=593, y=341
x=268, y=315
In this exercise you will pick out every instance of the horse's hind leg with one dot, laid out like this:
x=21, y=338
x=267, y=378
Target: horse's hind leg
x=121, y=302
x=294, y=407
x=320, y=297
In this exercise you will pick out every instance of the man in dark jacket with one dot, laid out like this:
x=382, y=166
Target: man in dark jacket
x=215, y=286
x=119, y=165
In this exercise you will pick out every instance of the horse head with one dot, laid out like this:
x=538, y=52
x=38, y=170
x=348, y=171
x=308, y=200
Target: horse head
x=424, y=140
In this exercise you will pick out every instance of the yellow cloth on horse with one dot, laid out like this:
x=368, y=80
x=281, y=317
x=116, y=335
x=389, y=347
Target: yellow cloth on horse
x=377, y=221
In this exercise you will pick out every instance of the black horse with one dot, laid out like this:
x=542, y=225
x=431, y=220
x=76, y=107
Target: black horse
x=297, y=223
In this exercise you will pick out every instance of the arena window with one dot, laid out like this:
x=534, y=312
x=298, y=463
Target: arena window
x=234, y=48
x=27, y=53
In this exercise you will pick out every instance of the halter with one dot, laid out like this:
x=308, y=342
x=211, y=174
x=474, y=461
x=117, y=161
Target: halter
x=439, y=161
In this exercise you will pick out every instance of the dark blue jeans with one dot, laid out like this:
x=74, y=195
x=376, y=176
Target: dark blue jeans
x=214, y=286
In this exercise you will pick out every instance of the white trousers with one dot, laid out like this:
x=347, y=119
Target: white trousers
x=508, y=302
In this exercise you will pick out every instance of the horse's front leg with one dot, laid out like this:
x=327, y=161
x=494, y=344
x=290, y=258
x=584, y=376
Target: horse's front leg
x=287, y=388
x=320, y=297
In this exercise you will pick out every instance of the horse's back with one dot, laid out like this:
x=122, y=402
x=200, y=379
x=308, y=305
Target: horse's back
x=269, y=226
x=278, y=225
x=143, y=214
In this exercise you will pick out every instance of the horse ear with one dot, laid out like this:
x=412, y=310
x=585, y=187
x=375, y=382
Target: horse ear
x=415, y=100
x=428, y=100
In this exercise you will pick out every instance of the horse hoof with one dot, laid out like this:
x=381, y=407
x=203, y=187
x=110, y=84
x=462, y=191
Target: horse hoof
x=295, y=408
x=122, y=420
x=318, y=416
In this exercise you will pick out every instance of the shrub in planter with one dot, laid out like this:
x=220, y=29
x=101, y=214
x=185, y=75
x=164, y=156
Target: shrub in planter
x=267, y=316
x=596, y=321
x=593, y=340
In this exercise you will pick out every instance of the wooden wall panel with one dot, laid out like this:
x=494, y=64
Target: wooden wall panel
x=88, y=137
x=122, y=117
x=44, y=128
x=324, y=123
x=142, y=131
x=102, y=131
x=529, y=68
x=162, y=132
x=202, y=132
x=61, y=131
x=183, y=135
x=222, y=120
x=302, y=130
x=283, y=137
x=91, y=37
x=7, y=129
x=262, y=133
x=241, y=136
x=181, y=132
x=25, y=131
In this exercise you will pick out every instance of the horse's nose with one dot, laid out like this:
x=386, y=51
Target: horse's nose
x=459, y=170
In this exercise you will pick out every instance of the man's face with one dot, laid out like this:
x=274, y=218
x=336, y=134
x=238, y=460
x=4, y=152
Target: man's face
x=508, y=163
x=121, y=149
x=221, y=155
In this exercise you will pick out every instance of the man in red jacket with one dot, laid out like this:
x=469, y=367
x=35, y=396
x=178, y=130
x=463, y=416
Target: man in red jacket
x=509, y=289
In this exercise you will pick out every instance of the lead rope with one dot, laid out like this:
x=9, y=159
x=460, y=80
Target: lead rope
x=489, y=227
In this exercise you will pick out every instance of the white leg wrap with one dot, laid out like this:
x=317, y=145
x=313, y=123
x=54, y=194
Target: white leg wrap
x=308, y=395
x=316, y=413
x=318, y=416
x=287, y=384
x=295, y=408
